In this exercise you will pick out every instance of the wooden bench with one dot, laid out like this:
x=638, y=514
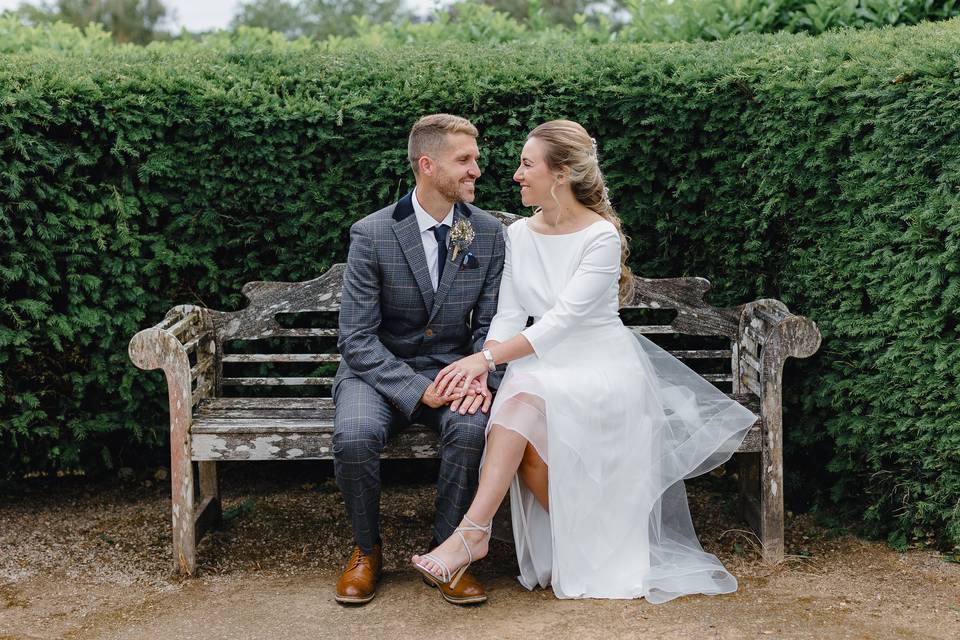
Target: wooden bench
x=225, y=369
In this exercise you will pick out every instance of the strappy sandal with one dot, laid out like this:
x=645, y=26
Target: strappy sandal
x=448, y=577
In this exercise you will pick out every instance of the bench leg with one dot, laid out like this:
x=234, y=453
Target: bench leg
x=209, y=514
x=184, y=514
x=748, y=474
x=771, y=500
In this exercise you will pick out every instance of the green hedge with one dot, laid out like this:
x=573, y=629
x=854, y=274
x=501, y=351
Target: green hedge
x=822, y=171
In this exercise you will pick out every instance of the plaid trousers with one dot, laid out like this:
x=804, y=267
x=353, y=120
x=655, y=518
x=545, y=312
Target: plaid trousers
x=364, y=421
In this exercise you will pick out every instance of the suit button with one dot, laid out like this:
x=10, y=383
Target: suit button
x=428, y=333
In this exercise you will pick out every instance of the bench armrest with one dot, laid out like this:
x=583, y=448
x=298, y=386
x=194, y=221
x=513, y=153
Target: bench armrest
x=768, y=334
x=167, y=346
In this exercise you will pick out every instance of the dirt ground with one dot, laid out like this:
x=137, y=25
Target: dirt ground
x=92, y=560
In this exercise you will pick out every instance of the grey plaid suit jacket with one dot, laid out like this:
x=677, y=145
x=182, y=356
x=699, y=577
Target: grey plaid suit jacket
x=393, y=326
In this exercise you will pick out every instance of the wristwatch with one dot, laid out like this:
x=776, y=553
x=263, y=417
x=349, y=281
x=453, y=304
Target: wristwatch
x=491, y=365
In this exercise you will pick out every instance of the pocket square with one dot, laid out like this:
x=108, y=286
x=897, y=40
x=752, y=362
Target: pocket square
x=469, y=262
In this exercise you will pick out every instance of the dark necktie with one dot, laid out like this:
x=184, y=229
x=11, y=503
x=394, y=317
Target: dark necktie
x=440, y=233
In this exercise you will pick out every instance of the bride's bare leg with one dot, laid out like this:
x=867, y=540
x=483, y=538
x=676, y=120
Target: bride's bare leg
x=533, y=474
x=503, y=455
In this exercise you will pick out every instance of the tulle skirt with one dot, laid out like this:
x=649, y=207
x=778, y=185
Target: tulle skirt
x=620, y=423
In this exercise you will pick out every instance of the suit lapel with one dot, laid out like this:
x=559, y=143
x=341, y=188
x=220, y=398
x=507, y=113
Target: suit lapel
x=408, y=234
x=451, y=269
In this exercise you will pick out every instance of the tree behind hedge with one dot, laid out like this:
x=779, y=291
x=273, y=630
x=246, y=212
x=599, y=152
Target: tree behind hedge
x=338, y=24
x=822, y=171
x=673, y=20
x=317, y=19
x=136, y=21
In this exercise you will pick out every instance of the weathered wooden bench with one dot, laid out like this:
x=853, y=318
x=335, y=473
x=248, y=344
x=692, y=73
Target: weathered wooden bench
x=221, y=411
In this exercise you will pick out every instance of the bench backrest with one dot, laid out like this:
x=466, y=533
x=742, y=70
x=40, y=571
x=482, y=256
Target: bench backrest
x=284, y=341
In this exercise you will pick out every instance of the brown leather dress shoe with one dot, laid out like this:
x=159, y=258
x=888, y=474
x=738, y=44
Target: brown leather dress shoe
x=468, y=590
x=358, y=582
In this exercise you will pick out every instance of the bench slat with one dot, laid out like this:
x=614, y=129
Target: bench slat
x=215, y=405
x=318, y=424
x=754, y=334
x=652, y=328
x=296, y=332
x=266, y=403
x=770, y=316
x=183, y=324
x=271, y=443
x=335, y=357
x=703, y=353
x=717, y=377
x=748, y=345
x=203, y=389
x=258, y=414
x=200, y=368
x=190, y=346
x=275, y=382
x=749, y=359
x=281, y=357
x=412, y=442
x=749, y=379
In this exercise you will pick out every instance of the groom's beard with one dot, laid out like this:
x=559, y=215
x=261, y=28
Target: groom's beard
x=451, y=189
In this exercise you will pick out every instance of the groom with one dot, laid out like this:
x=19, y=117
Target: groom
x=419, y=292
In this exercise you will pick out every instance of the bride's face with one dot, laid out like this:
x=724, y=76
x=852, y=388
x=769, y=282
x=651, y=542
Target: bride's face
x=533, y=175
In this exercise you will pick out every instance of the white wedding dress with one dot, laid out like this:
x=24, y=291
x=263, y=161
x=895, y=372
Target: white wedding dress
x=619, y=421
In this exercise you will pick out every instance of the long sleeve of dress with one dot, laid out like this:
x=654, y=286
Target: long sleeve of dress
x=511, y=317
x=599, y=269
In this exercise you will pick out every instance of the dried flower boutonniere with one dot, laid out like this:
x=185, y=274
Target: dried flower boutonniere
x=461, y=235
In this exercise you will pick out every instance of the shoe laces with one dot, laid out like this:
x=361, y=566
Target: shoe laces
x=358, y=558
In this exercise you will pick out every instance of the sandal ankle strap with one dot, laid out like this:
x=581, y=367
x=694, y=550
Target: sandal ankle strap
x=477, y=527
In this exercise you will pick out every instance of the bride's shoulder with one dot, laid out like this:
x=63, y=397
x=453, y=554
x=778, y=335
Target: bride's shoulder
x=602, y=235
x=517, y=225
x=602, y=227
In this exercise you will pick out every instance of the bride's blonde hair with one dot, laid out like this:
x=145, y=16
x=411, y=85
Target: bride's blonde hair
x=567, y=145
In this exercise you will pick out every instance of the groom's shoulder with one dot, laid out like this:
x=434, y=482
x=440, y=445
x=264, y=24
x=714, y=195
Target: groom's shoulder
x=378, y=219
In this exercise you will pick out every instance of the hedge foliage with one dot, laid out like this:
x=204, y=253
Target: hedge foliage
x=822, y=171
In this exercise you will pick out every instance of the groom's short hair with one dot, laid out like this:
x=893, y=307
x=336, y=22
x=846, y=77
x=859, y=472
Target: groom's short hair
x=429, y=134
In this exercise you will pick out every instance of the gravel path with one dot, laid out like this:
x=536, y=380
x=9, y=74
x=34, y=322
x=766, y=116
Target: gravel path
x=92, y=560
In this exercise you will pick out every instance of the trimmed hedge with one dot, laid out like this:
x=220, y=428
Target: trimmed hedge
x=822, y=171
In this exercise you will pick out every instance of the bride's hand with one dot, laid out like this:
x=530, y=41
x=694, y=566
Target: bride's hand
x=478, y=398
x=461, y=374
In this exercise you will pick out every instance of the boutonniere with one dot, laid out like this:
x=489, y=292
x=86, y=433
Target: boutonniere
x=461, y=235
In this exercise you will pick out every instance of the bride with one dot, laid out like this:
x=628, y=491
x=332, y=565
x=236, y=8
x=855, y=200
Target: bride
x=593, y=429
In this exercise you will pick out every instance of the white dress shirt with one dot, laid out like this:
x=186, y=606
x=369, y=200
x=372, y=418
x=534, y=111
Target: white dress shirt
x=427, y=222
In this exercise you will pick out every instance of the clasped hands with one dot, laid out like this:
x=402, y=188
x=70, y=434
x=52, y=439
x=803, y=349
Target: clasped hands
x=462, y=384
